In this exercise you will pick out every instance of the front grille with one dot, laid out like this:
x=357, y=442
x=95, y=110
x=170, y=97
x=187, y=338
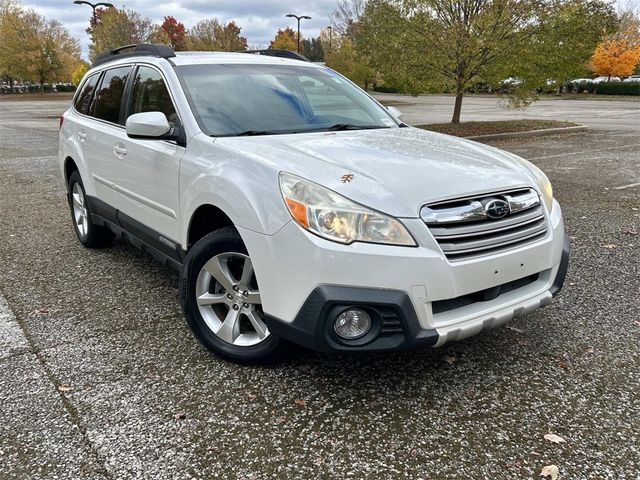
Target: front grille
x=441, y=306
x=465, y=228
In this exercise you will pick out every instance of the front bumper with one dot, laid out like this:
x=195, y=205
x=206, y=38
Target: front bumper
x=416, y=296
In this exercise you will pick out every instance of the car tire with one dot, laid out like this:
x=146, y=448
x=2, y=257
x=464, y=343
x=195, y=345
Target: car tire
x=221, y=301
x=88, y=233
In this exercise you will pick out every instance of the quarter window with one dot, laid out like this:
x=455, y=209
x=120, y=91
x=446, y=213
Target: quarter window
x=109, y=96
x=150, y=94
x=83, y=101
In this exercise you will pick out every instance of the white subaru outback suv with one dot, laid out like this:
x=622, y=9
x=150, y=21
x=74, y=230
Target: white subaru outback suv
x=298, y=209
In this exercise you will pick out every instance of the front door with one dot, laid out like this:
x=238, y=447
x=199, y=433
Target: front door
x=147, y=170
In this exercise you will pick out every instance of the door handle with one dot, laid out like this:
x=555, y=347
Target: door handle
x=82, y=136
x=119, y=150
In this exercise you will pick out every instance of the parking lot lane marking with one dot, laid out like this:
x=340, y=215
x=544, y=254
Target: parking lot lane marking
x=631, y=185
x=583, y=152
x=12, y=338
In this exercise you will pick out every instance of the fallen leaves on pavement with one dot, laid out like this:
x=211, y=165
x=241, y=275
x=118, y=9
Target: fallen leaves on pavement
x=301, y=402
x=180, y=416
x=65, y=388
x=450, y=360
x=515, y=329
x=553, y=438
x=550, y=471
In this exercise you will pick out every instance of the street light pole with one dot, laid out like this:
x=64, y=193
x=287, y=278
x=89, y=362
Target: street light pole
x=94, y=6
x=330, y=35
x=301, y=17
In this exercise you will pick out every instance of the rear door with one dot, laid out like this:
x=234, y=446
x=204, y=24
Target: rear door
x=102, y=133
x=147, y=174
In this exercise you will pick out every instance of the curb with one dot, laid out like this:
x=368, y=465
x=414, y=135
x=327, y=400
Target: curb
x=530, y=133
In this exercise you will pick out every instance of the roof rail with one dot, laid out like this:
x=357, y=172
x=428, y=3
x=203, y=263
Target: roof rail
x=135, y=50
x=274, y=52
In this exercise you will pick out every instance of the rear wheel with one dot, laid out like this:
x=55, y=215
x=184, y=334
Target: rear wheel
x=89, y=234
x=221, y=300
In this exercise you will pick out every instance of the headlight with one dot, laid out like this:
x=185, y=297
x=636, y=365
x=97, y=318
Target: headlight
x=545, y=186
x=547, y=192
x=334, y=217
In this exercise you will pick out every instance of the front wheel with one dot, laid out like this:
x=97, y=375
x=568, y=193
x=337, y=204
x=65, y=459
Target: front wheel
x=221, y=300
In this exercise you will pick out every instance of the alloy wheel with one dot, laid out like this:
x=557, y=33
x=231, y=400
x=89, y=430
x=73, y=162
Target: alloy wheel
x=229, y=301
x=80, y=212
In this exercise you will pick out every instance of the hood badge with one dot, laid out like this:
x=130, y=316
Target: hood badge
x=496, y=208
x=346, y=178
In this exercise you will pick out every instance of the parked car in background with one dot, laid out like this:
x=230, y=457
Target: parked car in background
x=605, y=79
x=581, y=80
x=632, y=78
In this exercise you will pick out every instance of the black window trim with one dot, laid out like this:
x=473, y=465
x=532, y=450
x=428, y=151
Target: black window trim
x=126, y=94
x=129, y=93
x=98, y=86
x=81, y=87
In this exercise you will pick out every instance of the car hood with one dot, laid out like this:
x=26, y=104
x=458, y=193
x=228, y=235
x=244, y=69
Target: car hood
x=394, y=171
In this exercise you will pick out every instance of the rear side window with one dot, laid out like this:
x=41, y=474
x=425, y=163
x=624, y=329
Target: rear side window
x=109, y=96
x=83, y=101
x=150, y=94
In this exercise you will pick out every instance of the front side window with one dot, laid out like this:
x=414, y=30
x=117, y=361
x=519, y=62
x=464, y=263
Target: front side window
x=230, y=100
x=150, y=94
x=109, y=96
x=83, y=101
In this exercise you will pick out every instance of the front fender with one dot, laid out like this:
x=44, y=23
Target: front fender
x=246, y=192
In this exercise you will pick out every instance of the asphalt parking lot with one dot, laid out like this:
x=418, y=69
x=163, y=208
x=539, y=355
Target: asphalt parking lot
x=596, y=113
x=101, y=379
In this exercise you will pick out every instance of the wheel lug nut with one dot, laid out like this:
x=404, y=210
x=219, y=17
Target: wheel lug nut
x=235, y=306
x=236, y=288
x=245, y=305
x=230, y=297
x=245, y=293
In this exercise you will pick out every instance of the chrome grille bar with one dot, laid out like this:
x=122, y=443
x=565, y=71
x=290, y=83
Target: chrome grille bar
x=463, y=229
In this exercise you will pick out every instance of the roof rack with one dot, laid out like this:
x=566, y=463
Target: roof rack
x=274, y=52
x=135, y=50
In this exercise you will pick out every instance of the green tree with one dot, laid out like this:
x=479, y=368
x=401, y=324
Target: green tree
x=34, y=48
x=451, y=44
x=313, y=49
x=285, y=39
x=348, y=62
x=117, y=27
x=78, y=72
x=563, y=39
x=212, y=35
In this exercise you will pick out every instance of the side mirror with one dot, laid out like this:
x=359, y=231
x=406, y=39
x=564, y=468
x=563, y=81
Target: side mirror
x=395, y=113
x=153, y=126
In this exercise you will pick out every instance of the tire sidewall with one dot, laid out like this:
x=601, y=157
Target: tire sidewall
x=226, y=240
x=73, y=180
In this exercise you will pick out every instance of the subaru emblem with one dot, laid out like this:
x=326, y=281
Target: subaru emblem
x=497, y=208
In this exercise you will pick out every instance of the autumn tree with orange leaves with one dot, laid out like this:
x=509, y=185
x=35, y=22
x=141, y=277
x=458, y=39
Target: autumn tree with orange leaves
x=286, y=39
x=619, y=54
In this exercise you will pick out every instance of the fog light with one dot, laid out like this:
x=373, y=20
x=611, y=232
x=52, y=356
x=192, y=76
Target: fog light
x=352, y=324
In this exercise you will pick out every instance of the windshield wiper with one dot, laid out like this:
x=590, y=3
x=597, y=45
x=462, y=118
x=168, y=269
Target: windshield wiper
x=252, y=133
x=339, y=127
x=350, y=126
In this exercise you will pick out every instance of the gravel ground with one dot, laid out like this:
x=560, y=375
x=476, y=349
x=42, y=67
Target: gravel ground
x=100, y=377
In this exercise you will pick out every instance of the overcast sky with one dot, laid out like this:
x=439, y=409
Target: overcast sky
x=258, y=19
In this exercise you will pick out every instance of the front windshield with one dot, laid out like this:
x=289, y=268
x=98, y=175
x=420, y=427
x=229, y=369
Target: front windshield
x=242, y=99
